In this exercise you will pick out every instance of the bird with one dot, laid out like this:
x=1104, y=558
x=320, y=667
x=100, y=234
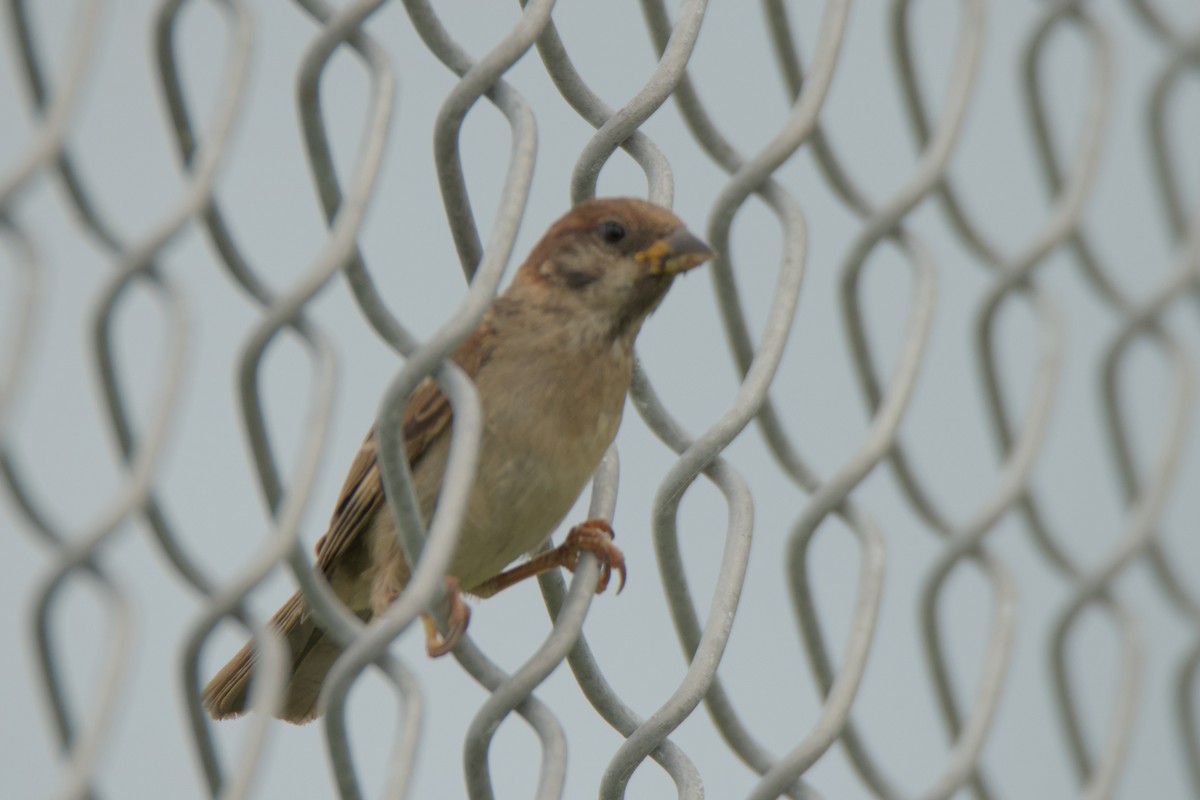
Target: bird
x=551, y=360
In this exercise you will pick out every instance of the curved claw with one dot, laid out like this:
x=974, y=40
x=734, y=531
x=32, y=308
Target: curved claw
x=459, y=616
x=596, y=536
x=606, y=575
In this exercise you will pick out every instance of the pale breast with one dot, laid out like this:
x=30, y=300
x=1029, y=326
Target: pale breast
x=541, y=445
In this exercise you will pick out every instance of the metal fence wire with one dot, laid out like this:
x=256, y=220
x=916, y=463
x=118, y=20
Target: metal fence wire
x=978, y=577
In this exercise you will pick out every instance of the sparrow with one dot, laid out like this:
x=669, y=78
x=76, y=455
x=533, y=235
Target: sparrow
x=551, y=360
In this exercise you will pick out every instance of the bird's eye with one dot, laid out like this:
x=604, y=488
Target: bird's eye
x=612, y=231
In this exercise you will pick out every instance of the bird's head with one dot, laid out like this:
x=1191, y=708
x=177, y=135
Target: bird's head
x=609, y=262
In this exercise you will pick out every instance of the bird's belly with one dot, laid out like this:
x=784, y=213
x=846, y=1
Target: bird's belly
x=514, y=511
x=536, y=455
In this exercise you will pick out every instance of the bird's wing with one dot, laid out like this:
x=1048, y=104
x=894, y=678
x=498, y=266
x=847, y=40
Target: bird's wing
x=426, y=417
x=360, y=500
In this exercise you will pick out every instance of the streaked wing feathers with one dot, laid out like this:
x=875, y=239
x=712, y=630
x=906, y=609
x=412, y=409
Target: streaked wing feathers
x=426, y=417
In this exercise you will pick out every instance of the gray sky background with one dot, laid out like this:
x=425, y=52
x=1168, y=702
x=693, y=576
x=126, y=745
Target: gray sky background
x=126, y=156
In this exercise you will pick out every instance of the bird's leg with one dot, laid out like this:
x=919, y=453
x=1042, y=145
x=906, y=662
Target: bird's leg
x=594, y=536
x=459, y=615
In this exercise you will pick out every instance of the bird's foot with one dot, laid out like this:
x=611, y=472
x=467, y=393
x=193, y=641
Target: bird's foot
x=596, y=537
x=459, y=615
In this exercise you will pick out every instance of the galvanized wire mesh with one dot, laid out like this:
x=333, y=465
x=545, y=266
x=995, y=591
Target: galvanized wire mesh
x=930, y=227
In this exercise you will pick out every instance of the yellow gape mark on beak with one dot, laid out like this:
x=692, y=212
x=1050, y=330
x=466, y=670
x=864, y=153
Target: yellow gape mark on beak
x=675, y=253
x=656, y=256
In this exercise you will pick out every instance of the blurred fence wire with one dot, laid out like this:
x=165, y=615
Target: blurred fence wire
x=56, y=87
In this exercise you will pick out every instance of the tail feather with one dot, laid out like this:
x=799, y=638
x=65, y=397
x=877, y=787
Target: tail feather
x=312, y=653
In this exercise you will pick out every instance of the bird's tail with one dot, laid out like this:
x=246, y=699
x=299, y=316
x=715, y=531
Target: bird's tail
x=312, y=655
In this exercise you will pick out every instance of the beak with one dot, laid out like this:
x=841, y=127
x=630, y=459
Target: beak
x=676, y=253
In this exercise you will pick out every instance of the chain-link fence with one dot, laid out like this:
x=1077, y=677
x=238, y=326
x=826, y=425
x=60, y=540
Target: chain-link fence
x=977, y=220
